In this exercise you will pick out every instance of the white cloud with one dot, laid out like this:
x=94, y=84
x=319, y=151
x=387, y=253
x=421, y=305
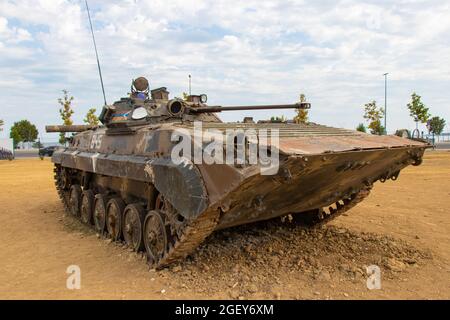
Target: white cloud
x=242, y=52
x=12, y=35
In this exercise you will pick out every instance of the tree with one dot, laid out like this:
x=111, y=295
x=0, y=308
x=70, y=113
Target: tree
x=278, y=119
x=361, y=127
x=66, y=113
x=418, y=110
x=374, y=115
x=23, y=131
x=436, y=125
x=1, y=125
x=91, y=119
x=302, y=114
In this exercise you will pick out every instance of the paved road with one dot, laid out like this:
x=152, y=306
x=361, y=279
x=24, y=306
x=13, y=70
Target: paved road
x=443, y=145
x=20, y=154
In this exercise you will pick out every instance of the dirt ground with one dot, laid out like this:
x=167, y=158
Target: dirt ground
x=403, y=227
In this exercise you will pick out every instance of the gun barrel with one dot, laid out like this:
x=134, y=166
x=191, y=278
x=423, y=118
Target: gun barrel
x=73, y=128
x=300, y=105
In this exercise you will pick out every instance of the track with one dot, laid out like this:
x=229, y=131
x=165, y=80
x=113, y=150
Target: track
x=320, y=217
x=63, y=195
x=192, y=237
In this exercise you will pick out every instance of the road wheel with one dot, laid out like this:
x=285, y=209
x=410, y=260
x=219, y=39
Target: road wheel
x=114, y=211
x=74, y=200
x=87, y=206
x=155, y=237
x=100, y=213
x=133, y=221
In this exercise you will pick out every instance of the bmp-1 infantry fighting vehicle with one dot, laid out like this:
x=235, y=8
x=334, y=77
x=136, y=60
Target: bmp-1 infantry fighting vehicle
x=121, y=177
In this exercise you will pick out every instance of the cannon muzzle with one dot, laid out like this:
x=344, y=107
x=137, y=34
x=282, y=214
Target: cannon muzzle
x=73, y=128
x=299, y=105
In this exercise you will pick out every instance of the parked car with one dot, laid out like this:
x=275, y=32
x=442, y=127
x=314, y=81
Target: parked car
x=6, y=154
x=47, y=151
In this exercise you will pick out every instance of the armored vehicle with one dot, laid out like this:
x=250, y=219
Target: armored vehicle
x=123, y=178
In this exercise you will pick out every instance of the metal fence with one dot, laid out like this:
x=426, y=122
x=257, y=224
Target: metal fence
x=443, y=137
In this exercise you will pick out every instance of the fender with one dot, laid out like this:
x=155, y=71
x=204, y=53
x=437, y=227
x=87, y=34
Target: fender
x=181, y=184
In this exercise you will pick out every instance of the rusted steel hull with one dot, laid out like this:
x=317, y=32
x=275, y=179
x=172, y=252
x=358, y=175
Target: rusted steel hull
x=308, y=182
x=314, y=171
x=319, y=166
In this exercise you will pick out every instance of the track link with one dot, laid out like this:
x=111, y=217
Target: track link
x=63, y=195
x=194, y=234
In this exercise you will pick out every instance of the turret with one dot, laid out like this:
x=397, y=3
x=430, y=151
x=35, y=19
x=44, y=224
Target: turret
x=149, y=107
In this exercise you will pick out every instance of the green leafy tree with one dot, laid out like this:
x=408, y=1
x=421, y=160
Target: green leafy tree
x=66, y=113
x=361, y=127
x=23, y=131
x=1, y=125
x=373, y=116
x=91, y=119
x=278, y=119
x=302, y=114
x=418, y=110
x=436, y=125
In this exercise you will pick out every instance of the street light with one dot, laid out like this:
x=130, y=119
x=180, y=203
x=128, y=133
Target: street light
x=385, y=101
x=190, y=92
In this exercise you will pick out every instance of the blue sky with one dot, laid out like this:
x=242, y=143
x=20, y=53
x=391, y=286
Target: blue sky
x=248, y=52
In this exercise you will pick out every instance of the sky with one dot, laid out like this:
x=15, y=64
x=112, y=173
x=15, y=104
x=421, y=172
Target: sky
x=238, y=52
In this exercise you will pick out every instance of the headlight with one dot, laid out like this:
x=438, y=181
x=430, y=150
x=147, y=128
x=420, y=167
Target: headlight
x=203, y=98
x=175, y=107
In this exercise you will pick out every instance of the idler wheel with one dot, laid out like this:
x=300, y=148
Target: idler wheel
x=74, y=200
x=155, y=237
x=133, y=220
x=114, y=210
x=100, y=213
x=87, y=206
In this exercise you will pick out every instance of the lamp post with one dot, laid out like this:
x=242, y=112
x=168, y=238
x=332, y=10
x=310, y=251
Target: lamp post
x=385, y=101
x=190, y=92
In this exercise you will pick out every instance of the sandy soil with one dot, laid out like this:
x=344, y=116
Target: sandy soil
x=403, y=227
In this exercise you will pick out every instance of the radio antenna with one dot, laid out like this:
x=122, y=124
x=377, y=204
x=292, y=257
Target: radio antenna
x=96, y=53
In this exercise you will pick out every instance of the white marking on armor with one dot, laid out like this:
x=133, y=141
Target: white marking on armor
x=94, y=161
x=96, y=141
x=148, y=169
